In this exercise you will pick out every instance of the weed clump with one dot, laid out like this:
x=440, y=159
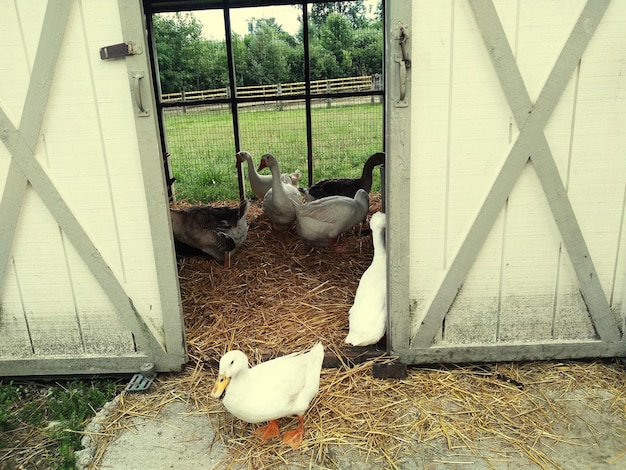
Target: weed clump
x=41, y=423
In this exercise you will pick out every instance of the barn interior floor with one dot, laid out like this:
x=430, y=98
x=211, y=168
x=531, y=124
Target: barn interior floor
x=278, y=296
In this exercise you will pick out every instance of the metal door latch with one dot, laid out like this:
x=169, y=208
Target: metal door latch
x=120, y=50
x=405, y=64
x=143, y=380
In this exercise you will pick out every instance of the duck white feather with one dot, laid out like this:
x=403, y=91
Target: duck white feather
x=368, y=314
x=280, y=199
x=320, y=222
x=271, y=390
x=259, y=183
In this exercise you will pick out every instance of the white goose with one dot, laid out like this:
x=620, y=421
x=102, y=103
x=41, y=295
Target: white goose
x=281, y=198
x=260, y=184
x=320, y=222
x=271, y=390
x=368, y=314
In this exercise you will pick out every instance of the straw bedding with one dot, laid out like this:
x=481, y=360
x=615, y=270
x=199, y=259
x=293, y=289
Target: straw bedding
x=279, y=296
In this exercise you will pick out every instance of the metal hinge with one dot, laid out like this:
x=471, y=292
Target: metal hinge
x=143, y=380
x=120, y=50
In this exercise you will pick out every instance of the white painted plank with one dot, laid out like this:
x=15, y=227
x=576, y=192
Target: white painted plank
x=430, y=83
x=598, y=166
x=571, y=319
x=540, y=31
x=102, y=328
x=99, y=172
x=126, y=179
x=529, y=264
x=480, y=131
x=42, y=275
x=453, y=164
x=71, y=147
x=19, y=36
x=474, y=314
x=618, y=296
x=14, y=336
x=5, y=161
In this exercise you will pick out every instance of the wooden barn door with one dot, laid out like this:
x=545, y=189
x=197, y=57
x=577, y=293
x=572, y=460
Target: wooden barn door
x=507, y=180
x=88, y=279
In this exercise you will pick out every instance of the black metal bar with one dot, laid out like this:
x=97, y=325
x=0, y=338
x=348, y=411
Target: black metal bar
x=165, y=6
x=307, y=94
x=383, y=186
x=233, y=92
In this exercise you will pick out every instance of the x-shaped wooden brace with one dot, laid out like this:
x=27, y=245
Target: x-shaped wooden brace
x=25, y=168
x=530, y=144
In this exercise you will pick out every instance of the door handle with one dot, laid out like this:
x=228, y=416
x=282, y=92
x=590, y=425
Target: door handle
x=136, y=77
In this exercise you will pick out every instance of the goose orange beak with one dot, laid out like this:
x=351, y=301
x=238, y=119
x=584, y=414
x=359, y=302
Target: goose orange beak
x=220, y=386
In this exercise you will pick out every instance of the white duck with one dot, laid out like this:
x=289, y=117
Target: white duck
x=218, y=231
x=281, y=198
x=368, y=314
x=260, y=184
x=320, y=222
x=271, y=390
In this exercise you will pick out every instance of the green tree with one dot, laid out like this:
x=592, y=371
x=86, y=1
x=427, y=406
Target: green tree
x=337, y=37
x=179, y=44
x=212, y=65
x=322, y=63
x=343, y=42
x=354, y=12
x=269, y=49
x=367, y=52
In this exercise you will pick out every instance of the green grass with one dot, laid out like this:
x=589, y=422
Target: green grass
x=47, y=419
x=202, y=149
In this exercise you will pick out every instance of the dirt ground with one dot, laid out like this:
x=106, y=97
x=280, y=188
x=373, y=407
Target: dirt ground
x=281, y=296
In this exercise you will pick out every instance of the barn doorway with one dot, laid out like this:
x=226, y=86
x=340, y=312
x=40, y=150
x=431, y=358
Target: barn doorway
x=303, y=81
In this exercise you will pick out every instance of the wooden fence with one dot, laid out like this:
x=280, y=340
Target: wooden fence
x=335, y=85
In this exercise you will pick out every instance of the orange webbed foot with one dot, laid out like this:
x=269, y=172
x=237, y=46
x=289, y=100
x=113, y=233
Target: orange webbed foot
x=294, y=437
x=268, y=431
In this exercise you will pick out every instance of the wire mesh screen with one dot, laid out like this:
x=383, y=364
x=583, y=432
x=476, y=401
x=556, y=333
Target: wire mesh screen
x=345, y=132
x=202, y=152
x=268, y=66
x=276, y=128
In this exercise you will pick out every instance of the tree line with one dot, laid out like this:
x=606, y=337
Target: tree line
x=343, y=41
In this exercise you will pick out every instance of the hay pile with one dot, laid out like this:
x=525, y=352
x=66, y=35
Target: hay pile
x=281, y=295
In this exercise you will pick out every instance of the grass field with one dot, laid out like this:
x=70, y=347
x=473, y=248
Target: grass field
x=202, y=148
